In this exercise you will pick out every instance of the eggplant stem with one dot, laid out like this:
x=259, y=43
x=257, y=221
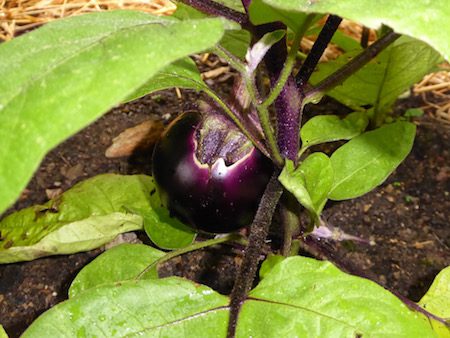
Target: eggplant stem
x=258, y=234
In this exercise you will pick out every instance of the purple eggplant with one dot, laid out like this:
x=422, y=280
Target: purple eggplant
x=208, y=174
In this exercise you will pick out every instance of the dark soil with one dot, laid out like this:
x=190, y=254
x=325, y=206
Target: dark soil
x=406, y=219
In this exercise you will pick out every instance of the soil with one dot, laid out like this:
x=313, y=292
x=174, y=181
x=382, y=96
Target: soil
x=406, y=219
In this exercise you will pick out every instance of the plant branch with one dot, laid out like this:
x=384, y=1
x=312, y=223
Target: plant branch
x=351, y=67
x=258, y=233
x=288, y=66
x=365, y=37
x=213, y=8
x=263, y=112
x=190, y=248
x=321, y=43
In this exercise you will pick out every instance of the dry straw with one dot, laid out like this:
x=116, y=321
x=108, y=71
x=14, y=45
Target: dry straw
x=18, y=16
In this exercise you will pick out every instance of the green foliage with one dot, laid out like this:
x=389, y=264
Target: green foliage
x=123, y=262
x=329, y=128
x=429, y=22
x=380, y=82
x=367, y=160
x=151, y=308
x=319, y=291
x=87, y=216
x=61, y=77
x=260, y=14
x=301, y=296
x=310, y=183
x=182, y=74
x=437, y=299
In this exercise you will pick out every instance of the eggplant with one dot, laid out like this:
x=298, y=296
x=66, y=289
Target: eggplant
x=208, y=174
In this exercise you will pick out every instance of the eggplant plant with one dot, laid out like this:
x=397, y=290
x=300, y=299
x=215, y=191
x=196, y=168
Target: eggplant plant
x=230, y=164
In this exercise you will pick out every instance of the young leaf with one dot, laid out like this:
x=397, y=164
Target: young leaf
x=61, y=77
x=259, y=49
x=329, y=128
x=315, y=299
x=419, y=19
x=169, y=307
x=85, y=217
x=379, y=83
x=367, y=160
x=182, y=73
x=310, y=183
x=121, y=263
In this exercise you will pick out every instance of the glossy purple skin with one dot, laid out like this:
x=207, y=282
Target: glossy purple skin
x=218, y=199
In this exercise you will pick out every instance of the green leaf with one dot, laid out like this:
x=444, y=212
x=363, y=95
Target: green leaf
x=310, y=183
x=367, y=160
x=85, y=217
x=437, y=298
x=437, y=301
x=236, y=42
x=182, y=74
x=61, y=77
x=3, y=332
x=166, y=231
x=260, y=13
x=322, y=301
x=269, y=263
x=301, y=296
x=429, y=22
x=170, y=307
x=380, y=82
x=123, y=262
x=329, y=128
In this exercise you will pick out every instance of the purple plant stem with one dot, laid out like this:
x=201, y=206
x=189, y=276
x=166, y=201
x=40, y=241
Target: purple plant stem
x=354, y=65
x=258, y=233
x=216, y=9
x=321, y=43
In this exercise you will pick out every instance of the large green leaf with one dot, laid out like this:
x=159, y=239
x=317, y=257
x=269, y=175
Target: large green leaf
x=329, y=128
x=170, y=307
x=61, y=77
x=310, y=183
x=301, y=296
x=123, y=262
x=380, y=82
x=367, y=160
x=425, y=20
x=87, y=216
x=326, y=298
